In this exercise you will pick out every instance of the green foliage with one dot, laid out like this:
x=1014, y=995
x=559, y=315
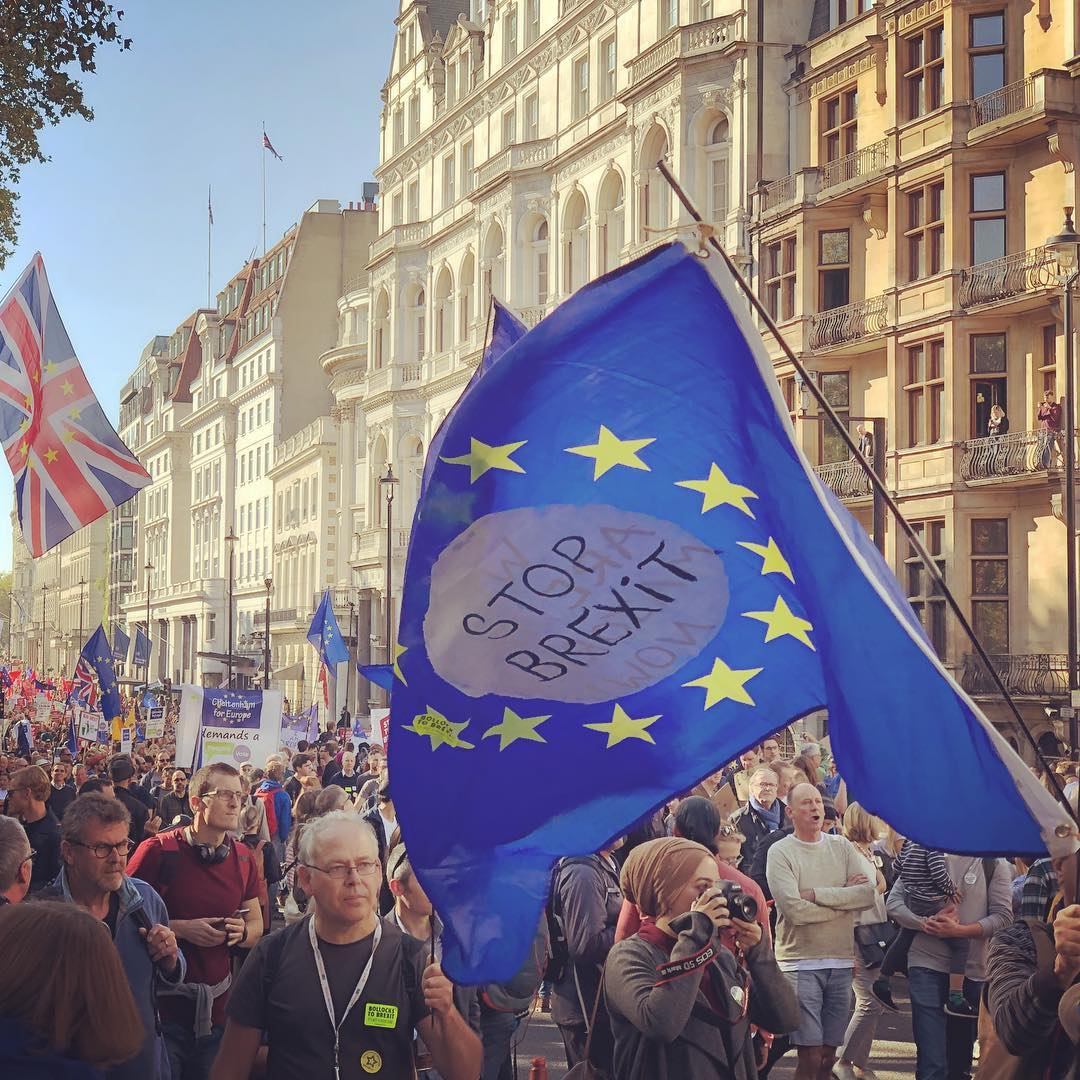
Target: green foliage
x=44, y=46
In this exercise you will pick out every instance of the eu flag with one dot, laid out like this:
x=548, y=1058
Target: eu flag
x=141, y=655
x=381, y=675
x=121, y=643
x=623, y=573
x=325, y=634
x=98, y=656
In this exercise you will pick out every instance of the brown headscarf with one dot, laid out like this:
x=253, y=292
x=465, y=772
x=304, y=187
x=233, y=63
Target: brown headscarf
x=656, y=870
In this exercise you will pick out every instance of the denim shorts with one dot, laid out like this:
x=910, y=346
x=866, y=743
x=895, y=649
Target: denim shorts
x=825, y=1004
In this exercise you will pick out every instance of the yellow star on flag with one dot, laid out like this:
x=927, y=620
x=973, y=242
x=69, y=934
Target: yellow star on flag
x=68, y=387
x=609, y=450
x=440, y=730
x=49, y=367
x=782, y=621
x=514, y=727
x=772, y=561
x=76, y=414
x=621, y=727
x=28, y=401
x=68, y=436
x=719, y=491
x=482, y=457
x=399, y=651
x=51, y=455
x=24, y=448
x=726, y=684
x=24, y=425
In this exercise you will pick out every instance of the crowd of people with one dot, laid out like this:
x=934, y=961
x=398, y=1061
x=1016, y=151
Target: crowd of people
x=267, y=922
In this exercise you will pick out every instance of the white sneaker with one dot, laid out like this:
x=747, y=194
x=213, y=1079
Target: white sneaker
x=843, y=1071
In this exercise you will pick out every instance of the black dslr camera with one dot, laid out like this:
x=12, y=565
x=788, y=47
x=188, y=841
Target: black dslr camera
x=740, y=904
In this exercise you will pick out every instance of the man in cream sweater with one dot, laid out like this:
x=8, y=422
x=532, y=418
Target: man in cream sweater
x=818, y=886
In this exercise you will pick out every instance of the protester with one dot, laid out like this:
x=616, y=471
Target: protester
x=28, y=790
x=94, y=846
x=302, y=767
x=348, y=778
x=62, y=1020
x=61, y=793
x=585, y=900
x=787, y=777
x=862, y=830
x=770, y=750
x=681, y=1007
x=944, y=1044
x=122, y=774
x=383, y=819
x=15, y=859
x=174, y=803
x=818, y=882
x=308, y=986
x=277, y=803
x=210, y=888
x=762, y=814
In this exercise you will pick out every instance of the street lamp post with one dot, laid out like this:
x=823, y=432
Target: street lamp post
x=388, y=483
x=352, y=659
x=82, y=595
x=231, y=541
x=269, y=583
x=149, y=637
x=1065, y=246
x=44, y=639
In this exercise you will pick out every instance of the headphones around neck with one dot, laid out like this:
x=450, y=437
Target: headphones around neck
x=207, y=854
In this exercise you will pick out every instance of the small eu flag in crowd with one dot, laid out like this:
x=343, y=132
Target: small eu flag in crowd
x=622, y=573
x=96, y=659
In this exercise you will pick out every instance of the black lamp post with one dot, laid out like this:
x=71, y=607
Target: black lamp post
x=269, y=583
x=82, y=596
x=149, y=636
x=231, y=541
x=388, y=483
x=44, y=638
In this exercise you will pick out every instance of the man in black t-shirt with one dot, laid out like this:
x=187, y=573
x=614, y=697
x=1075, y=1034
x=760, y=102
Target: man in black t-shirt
x=348, y=778
x=28, y=790
x=302, y=766
x=122, y=774
x=379, y=985
x=61, y=793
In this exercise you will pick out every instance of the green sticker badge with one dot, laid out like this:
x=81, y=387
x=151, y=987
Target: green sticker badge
x=380, y=1016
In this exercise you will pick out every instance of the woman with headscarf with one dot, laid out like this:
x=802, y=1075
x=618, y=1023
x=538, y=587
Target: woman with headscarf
x=680, y=1007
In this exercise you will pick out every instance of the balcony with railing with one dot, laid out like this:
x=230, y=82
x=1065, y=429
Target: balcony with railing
x=520, y=157
x=848, y=324
x=1042, y=675
x=999, y=280
x=862, y=164
x=1013, y=456
x=370, y=544
x=1006, y=101
x=846, y=479
x=697, y=39
x=400, y=236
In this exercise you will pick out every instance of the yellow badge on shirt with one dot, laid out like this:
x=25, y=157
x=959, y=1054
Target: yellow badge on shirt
x=380, y=1016
x=371, y=1061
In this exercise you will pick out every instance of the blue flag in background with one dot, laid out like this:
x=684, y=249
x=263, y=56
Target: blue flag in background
x=121, y=644
x=325, y=634
x=72, y=738
x=141, y=656
x=381, y=675
x=97, y=654
x=623, y=573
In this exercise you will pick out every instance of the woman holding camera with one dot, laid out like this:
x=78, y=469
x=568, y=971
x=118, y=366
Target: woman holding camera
x=681, y=1006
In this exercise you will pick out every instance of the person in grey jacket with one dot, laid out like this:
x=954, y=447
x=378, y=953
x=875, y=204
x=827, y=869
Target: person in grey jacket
x=681, y=1006
x=587, y=900
x=943, y=1043
x=94, y=845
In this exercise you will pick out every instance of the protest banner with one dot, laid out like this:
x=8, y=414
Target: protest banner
x=297, y=727
x=237, y=726
x=127, y=739
x=380, y=727
x=42, y=709
x=88, y=725
x=155, y=723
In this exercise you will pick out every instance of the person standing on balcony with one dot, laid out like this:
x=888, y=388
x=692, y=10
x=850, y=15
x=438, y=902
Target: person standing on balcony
x=1049, y=417
x=866, y=442
x=997, y=427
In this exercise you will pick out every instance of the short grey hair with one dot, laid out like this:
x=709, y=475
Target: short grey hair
x=313, y=832
x=330, y=799
x=92, y=808
x=14, y=850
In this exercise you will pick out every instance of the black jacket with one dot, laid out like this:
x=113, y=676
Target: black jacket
x=752, y=824
x=139, y=814
x=386, y=897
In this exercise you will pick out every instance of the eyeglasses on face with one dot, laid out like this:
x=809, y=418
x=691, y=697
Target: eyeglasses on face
x=103, y=851
x=341, y=871
x=233, y=798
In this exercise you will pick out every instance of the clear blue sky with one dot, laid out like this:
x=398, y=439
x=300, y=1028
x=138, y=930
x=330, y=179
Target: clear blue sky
x=119, y=212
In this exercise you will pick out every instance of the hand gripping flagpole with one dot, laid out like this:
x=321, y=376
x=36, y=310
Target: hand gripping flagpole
x=707, y=236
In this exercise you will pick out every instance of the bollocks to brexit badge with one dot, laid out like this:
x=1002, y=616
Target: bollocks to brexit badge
x=618, y=578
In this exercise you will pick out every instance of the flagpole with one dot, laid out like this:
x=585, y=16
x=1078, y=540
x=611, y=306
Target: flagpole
x=264, y=187
x=209, y=235
x=876, y=484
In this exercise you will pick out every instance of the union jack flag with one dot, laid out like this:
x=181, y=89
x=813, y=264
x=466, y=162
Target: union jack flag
x=86, y=688
x=70, y=466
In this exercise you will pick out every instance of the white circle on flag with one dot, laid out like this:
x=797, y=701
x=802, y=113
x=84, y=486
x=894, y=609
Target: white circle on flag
x=571, y=603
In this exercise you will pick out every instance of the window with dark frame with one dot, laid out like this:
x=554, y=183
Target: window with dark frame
x=834, y=268
x=924, y=71
x=780, y=278
x=990, y=583
x=925, y=231
x=1048, y=361
x=987, y=217
x=836, y=387
x=987, y=52
x=922, y=592
x=791, y=396
x=839, y=125
x=925, y=391
x=989, y=379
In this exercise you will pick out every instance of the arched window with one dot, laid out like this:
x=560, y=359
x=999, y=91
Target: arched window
x=655, y=193
x=376, y=511
x=612, y=215
x=717, y=147
x=444, y=311
x=494, y=252
x=382, y=330
x=575, y=242
x=412, y=471
x=417, y=323
x=466, y=284
x=538, y=236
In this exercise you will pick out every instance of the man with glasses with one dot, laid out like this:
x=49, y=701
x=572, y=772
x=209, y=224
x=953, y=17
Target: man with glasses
x=340, y=993
x=62, y=793
x=16, y=855
x=211, y=890
x=174, y=803
x=762, y=814
x=95, y=846
x=28, y=790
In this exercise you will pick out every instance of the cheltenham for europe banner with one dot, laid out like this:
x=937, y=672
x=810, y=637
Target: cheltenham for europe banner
x=235, y=726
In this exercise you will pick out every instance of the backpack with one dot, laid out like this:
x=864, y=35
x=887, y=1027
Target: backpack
x=516, y=994
x=995, y=1062
x=266, y=797
x=558, y=952
x=169, y=841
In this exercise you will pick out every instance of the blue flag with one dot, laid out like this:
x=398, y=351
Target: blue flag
x=141, y=657
x=623, y=573
x=121, y=643
x=381, y=675
x=506, y=328
x=325, y=634
x=72, y=738
x=98, y=658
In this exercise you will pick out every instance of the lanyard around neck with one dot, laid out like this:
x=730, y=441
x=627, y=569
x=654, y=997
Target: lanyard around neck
x=328, y=999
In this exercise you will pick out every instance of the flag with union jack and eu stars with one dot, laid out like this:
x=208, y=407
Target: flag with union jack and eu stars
x=70, y=466
x=96, y=659
x=622, y=573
